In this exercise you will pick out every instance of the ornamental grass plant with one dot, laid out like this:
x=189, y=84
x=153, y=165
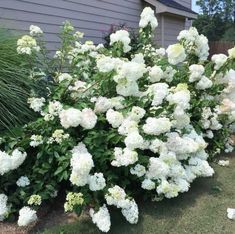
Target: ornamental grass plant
x=118, y=124
x=15, y=83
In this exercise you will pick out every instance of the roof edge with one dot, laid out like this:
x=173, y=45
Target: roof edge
x=162, y=8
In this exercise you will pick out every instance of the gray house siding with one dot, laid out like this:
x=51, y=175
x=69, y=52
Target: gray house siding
x=187, y=3
x=93, y=17
x=172, y=26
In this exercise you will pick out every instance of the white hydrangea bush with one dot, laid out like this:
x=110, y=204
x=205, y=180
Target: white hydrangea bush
x=120, y=122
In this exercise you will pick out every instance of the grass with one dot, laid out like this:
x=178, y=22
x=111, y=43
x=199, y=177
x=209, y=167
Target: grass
x=15, y=85
x=200, y=211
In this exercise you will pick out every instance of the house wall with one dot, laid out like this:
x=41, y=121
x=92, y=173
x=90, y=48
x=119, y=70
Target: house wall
x=186, y=3
x=93, y=17
x=159, y=30
x=172, y=26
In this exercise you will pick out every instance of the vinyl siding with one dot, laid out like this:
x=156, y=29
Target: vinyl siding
x=186, y=3
x=172, y=27
x=93, y=17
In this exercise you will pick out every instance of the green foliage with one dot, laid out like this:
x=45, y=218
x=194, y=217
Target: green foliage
x=217, y=19
x=223, y=8
x=229, y=34
x=211, y=26
x=15, y=84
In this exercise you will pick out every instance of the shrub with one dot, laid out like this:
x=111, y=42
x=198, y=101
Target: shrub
x=229, y=34
x=115, y=127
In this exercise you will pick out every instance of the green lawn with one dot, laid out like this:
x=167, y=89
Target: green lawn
x=201, y=210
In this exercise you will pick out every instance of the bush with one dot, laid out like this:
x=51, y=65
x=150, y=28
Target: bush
x=229, y=34
x=114, y=127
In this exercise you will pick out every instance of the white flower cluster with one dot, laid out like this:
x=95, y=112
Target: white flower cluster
x=89, y=118
x=27, y=45
x=35, y=200
x=147, y=17
x=54, y=109
x=128, y=73
x=155, y=74
x=124, y=157
x=36, y=140
x=58, y=136
x=219, y=60
x=138, y=170
x=210, y=119
x=3, y=206
x=231, y=53
x=231, y=213
x=73, y=117
x=228, y=102
x=107, y=63
x=70, y=117
x=79, y=89
x=64, y=77
x=180, y=98
x=116, y=196
x=196, y=74
x=194, y=43
x=80, y=49
x=127, y=77
x=82, y=163
x=157, y=126
x=26, y=216
x=176, y=54
x=35, y=30
x=159, y=91
x=96, y=182
x=223, y=163
x=11, y=162
x=166, y=173
x=73, y=200
x=101, y=218
x=103, y=104
x=23, y=181
x=36, y=103
x=115, y=118
x=123, y=37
